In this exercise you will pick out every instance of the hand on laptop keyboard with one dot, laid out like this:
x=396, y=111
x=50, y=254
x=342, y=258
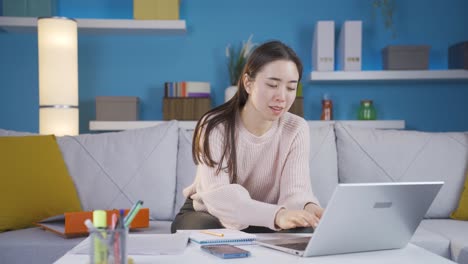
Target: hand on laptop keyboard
x=286, y=219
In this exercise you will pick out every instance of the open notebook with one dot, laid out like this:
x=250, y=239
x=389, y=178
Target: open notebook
x=220, y=236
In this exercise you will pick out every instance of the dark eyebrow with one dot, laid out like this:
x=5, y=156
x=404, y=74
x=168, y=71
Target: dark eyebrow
x=278, y=79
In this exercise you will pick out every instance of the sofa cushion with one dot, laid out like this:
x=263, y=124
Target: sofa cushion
x=35, y=183
x=186, y=168
x=461, y=213
x=113, y=170
x=323, y=161
x=373, y=155
x=431, y=241
x=454, y=230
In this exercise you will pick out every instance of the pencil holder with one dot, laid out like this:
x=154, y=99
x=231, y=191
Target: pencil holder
x=109, y=246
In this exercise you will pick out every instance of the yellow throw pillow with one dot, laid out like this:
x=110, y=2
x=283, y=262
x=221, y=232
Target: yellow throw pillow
x=461, y=213
x=34, y=181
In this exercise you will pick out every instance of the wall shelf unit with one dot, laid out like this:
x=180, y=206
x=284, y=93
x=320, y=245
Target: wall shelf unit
x=124, y=125
x=29, y=24
x=420, y=75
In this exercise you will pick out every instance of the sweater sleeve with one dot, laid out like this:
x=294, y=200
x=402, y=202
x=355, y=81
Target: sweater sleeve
x=295, y=188
x=230, y=203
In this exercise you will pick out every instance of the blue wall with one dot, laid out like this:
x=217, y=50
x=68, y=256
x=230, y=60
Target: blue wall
x=138, y=65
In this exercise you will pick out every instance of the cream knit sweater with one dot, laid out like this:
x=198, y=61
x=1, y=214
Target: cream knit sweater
x=272, y=172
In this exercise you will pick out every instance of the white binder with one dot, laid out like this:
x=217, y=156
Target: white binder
x=323, y=46
x=350, y=46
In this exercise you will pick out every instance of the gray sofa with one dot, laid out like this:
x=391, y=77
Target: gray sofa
x=155, y=164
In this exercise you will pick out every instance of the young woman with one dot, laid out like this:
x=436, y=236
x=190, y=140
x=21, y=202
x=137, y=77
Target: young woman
x=252, y=155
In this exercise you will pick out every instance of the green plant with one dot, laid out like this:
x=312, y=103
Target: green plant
x=237, y=58
x=387, y=8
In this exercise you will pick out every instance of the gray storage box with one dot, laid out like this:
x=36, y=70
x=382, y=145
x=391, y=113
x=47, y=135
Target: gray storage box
x=406, y=57
x=458, y=56
x=117, y=108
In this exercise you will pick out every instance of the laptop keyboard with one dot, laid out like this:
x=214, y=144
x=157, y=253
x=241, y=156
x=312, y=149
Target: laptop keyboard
x=296, y=246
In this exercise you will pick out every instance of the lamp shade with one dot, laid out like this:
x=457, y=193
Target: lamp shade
x=58, y=76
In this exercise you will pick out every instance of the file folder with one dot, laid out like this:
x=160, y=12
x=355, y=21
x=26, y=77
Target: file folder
x=350, y=46
x=323, y=46
x=71, y=224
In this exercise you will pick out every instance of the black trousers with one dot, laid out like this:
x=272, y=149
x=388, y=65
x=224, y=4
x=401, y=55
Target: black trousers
x=188, y=218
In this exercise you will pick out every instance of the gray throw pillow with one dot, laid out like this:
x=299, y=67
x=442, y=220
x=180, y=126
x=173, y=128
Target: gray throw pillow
x=115, y=169
x=373, y=155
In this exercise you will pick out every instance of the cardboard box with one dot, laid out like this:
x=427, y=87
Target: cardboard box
x=117, y=108
x=458, y=56
x=185, y=108
x=156, y=9
x=29, y=8
x=406, y=57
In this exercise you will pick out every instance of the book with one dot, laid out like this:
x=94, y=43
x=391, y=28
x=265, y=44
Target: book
x=71, y=224
x=350, y=46
x=323, y=46
x=186, y=89
x=220, y=236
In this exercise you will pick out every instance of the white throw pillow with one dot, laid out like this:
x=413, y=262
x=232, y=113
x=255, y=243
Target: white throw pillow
x=373, y=155
x=323, y=162
x=114, y=170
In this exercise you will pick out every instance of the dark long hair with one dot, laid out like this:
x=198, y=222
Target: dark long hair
x=226, y=113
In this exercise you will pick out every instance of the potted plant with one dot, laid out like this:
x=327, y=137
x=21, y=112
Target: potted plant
x=236, y=59
x=387, y=8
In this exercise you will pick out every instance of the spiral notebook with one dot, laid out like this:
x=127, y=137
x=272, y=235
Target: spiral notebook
x=220, y=236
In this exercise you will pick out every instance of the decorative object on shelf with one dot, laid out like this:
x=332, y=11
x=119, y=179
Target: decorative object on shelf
x=349, y=53
x=297, y=107
x=327, y=108
x=117, y=108
x=156, y=9
x=409, y=57
x=58, y=76
x=458, y=56
x=230, y=92
x=367, y=111
x=387, y=8
x=185, y=108
x=29, y=8
x=237, y=57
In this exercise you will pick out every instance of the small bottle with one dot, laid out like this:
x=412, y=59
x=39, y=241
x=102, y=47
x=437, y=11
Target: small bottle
x=367, y=111
x=327, y=108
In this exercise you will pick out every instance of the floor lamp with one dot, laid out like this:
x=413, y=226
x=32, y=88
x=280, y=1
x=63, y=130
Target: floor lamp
x=58, y=76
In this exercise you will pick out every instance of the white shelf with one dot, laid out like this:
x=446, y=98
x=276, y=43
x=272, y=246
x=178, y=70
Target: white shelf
x=29, y=24
x=337, y=76
x=124, y=125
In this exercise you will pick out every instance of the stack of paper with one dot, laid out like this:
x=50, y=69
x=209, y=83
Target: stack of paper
x=350, y=46
x=323, y=46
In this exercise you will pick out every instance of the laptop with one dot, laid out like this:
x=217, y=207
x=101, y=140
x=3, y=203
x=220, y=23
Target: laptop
x=364, y=217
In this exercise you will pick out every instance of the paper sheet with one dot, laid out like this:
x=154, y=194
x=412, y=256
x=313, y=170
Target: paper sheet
x=146, y=244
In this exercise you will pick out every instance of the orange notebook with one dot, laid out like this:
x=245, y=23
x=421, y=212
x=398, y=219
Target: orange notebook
x=72, y=224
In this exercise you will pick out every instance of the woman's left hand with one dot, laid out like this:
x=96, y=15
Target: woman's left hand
x=314, y=209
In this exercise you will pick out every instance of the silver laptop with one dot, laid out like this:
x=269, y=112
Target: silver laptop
x=365, y=217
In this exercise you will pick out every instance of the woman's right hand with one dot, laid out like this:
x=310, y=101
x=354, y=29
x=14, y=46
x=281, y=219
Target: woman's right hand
x=287, y=219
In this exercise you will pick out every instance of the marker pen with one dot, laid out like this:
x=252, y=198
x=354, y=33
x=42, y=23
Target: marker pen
x=100, y=247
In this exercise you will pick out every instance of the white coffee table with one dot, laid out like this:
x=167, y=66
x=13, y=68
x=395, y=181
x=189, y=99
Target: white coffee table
x=192, y=254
